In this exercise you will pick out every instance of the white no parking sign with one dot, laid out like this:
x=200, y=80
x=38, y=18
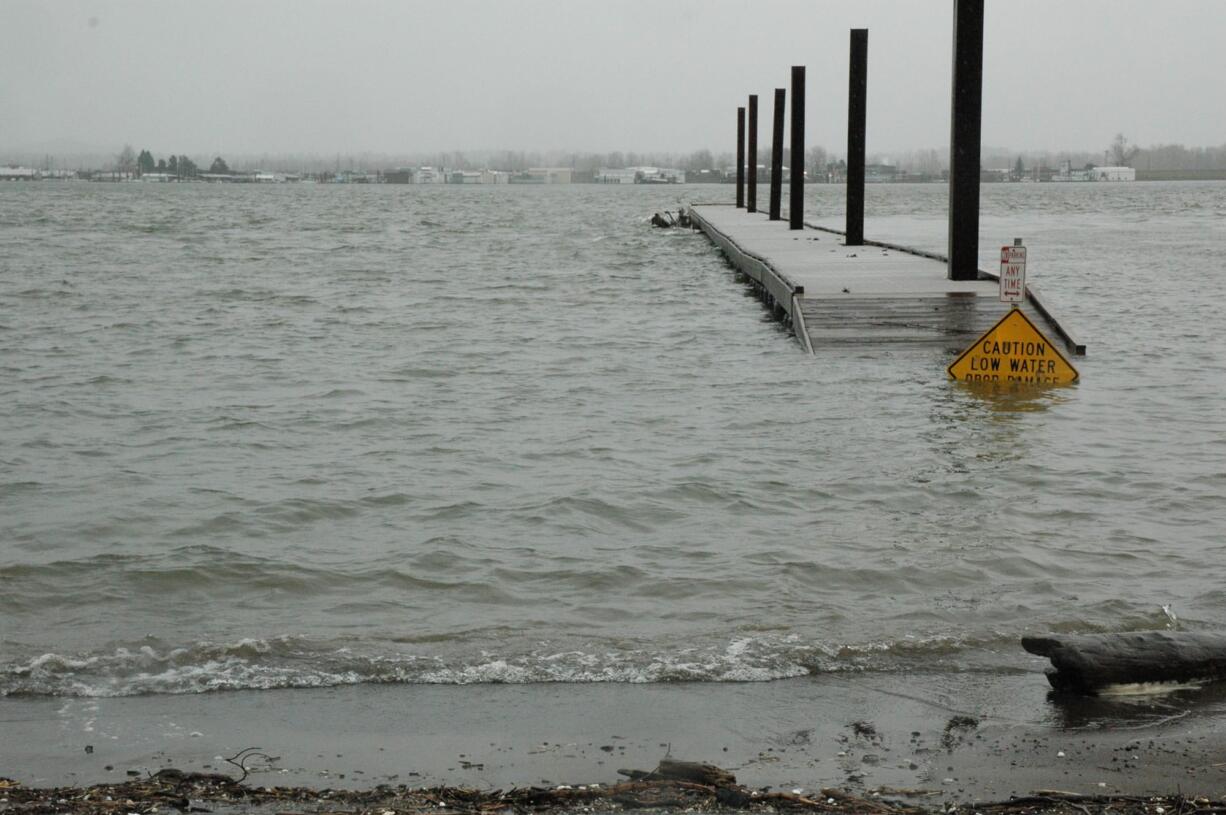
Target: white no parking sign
x=1013, y=273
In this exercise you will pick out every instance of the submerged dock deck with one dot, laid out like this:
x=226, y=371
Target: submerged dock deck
x=876, y=293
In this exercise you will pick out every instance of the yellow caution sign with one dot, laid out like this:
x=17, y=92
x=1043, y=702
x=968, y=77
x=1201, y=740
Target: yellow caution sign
x=1013, y=351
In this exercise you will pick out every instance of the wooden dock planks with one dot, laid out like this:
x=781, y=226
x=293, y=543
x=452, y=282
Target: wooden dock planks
x=863, y=295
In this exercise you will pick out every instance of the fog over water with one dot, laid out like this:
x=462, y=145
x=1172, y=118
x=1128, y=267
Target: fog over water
x=316, y=435
x=286, y=76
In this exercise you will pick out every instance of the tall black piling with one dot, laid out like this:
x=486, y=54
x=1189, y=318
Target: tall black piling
x=857, y=109
x=740, y=157
x=796, y=189
x=777, y=156
x=964, y=140
x=752, y=175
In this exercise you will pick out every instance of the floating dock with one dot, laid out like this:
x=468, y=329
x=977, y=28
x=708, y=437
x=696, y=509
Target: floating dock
x=834, y=294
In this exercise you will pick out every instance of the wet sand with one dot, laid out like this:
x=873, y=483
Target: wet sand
x=959, y=737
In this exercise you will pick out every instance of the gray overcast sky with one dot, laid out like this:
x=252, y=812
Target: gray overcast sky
x=223, y=76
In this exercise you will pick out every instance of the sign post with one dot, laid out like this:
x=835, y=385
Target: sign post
x=1013, y=273
x=1014, y=351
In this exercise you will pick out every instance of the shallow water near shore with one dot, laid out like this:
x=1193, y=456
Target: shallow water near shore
x=293, y=436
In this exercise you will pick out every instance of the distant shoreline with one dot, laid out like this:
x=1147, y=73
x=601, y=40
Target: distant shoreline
x=546, y=176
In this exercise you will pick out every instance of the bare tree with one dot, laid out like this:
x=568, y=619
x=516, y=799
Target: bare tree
x=699, y=160
x=125, y=162
x=1122, y=153
x=816, y=165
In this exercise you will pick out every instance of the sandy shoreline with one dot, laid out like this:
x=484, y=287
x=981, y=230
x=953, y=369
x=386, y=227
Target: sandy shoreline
x=960, y=737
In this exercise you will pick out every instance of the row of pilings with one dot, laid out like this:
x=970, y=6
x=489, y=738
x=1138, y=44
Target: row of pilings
x=964, y=150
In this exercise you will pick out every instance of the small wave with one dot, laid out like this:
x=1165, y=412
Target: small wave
x=11, y=488
x=287, y=662
x=339, y=393
x=154, y=667
x=203, y=667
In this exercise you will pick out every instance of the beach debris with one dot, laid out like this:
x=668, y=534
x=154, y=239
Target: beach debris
x=693, y=771
x=187, y=792
x=241, y=758
x=957, y=729
x=906, y=791
x=799, y=738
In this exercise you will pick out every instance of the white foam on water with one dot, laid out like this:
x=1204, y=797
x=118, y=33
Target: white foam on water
x=251, y=664
x=1136, y=689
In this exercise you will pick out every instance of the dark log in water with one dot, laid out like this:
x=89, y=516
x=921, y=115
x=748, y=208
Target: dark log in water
x=1087, y=663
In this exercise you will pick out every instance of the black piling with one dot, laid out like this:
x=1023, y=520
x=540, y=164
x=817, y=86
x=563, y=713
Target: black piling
x=857, y=109
x=752, y=176
x=964, y=140
x=796, y=190
x=740, y=157
x=777, y=156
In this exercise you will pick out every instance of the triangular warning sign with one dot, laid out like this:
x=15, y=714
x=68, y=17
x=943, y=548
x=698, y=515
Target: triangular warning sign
x=1013, y=351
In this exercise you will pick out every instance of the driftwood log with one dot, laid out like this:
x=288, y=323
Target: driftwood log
x=1087, y=663
x=695, y=772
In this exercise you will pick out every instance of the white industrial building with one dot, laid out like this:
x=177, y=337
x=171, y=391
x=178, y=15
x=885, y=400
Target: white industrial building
x=641, y=175
x=19, y=174
x=1114, y=174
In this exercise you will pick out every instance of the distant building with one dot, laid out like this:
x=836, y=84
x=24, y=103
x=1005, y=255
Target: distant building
x=428, y=175
x=641, y=175
x=658, y=175
x=619, y=176
x=477, y=177
x=880, y=173
x=543, y=175
x=1092, y=173
x=19, y=174
x=704, y=177
x=1114, y=174
x=401, y=175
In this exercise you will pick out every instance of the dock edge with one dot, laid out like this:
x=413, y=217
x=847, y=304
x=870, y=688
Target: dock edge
x=778, y=292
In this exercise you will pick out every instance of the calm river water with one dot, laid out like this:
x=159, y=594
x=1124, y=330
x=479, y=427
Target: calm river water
x=308, y=435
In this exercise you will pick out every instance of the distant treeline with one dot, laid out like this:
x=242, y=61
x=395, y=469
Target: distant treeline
x=1178, y=157
x=1168, y=157
x=818, y=160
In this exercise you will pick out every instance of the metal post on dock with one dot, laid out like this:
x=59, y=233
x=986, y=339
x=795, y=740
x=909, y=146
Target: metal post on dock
x=796, y=189
x=857, y=108
x=752, y=176
x=777, y=156
x=964, y=141
x=740, y=157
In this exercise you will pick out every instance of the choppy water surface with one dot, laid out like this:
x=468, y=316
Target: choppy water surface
x=300, y=435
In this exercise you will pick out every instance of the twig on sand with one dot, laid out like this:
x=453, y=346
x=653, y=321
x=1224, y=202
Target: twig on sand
x=239, y=760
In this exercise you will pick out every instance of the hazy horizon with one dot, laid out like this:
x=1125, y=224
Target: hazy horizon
x=314, y=78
